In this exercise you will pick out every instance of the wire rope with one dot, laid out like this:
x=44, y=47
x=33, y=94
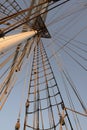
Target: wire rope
x=71, y=103
x=62, y=17
x=20, y=12
x=73, y=50
x=74, y=88
x=73, y=110
x=74, y=44
x=16, y=26
x=23, y=90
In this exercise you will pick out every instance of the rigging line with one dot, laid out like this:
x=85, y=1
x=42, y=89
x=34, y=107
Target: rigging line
x=30, y=47
x=61, y=96
x=23, y=54
x=82, y=114
x=4, y=72
x=62, y=17
x=79, y=48
x=54, y=15
x=20, y=12
x=85, y=59
x=11, y=72
x=70, y=102
x=36, y=91
x=75, y=90
x=68, y=97
x=23, y=91
x=67, y=42
x=74, y=21
x=31, y=56
x=31, y=101
x=48, y=93
x=31, y=53
x=6, y=9
x=27, y=18
x=14, y=7
x=64, y=25
x=3, y=86
x=80, y=42
x=13, y=65
x=84, y=28
x=46, y=89
x=3, y=102
x=41, y=116
x=68, y=54
x=84, y=68
x=44, y=129
x=56, y=20
x=35, y=17
x=5, y=53
x=45, y=108
x=7, y=60
x=30, y=67
x=61, y=70
x=55, y=100
x=73, y=44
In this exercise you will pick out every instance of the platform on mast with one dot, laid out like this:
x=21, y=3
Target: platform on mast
x=41, y=28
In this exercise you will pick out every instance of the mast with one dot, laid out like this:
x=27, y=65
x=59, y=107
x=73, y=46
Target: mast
x=8, y=42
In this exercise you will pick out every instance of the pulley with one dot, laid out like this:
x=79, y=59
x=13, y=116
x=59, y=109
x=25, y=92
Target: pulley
x=27, y=103
x=17, y=126
x=61, y=121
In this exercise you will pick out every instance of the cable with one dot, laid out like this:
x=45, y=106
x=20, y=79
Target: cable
x=72, y=50
x=75, y=90
x=69, y=13
x=85, y=115
x=61, y=70
x=7, y=60
x=70, y=102
x=5, y=72
x=73, y=86
x=20, y=12
x=23, y=92
x=74, y=44
x=35, y=17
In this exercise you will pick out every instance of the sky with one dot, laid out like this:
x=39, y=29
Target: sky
x=67, y=25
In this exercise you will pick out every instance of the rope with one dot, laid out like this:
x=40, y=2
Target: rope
x=82, y=114
x=14, y=26
x=18, y=13
x=62, y=71
x=73, y=86
x=71, y=103
x=23, y=91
